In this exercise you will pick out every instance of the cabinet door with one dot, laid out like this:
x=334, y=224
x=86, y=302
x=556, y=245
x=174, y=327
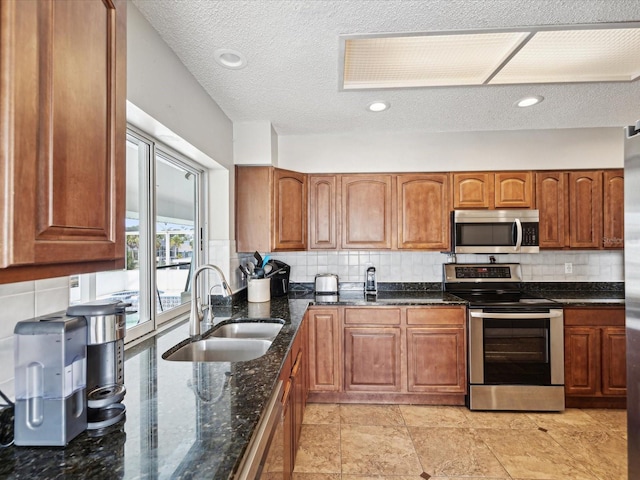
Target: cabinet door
x=582, y=360
x=290, y=210
x=323, y=215
x=325, y=353
x=513, y=190
x=253, y=209
x=585, y=197
x=297, y=400
x=614, y=361
x=436, y=360
x=423, y=211
x=552, y=200
x=63, y=181
x=613, y=209
x=472, y=190
x=366, y=211
x=372, y=359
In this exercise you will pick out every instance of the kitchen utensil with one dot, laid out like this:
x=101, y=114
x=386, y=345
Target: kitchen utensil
x=244, y=270
x=258, y=257
x=267, y=268
x=258, y=272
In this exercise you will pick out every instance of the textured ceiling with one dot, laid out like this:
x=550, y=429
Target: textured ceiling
x=293, y=63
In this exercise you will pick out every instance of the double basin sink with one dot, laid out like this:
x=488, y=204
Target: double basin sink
x=244, y=339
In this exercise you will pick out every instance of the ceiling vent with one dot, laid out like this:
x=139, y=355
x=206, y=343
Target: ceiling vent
x=531, y=55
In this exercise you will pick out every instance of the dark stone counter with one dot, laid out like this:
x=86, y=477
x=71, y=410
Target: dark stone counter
x=184, y=420
x=580, y=294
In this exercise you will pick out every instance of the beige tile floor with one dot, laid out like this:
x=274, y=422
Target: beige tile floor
x=402, y=442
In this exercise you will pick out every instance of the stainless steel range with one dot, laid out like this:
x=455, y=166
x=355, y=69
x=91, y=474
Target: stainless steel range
x=516, y=340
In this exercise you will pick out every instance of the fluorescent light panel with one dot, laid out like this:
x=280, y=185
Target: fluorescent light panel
x=508, y=57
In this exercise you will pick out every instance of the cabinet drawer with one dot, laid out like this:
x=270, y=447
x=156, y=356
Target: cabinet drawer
x=372, y=316
x=596, y=317
x=435, y=316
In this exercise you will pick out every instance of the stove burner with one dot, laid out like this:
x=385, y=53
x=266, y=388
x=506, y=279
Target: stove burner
x=495, y=285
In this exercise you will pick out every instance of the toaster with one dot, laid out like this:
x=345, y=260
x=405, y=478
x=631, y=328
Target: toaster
x=326, y=284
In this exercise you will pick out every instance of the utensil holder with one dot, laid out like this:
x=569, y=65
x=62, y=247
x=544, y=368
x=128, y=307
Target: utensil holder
x=259, y=289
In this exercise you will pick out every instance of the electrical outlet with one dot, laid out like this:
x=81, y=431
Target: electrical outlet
x=568, y=267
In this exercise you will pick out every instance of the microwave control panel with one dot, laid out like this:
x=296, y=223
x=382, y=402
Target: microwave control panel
x=530, y=234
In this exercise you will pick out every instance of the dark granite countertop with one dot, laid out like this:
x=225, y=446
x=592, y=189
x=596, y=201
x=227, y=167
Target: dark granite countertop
x=388, y=294
x=194, y=420
x=184, y=420
x=580, y=294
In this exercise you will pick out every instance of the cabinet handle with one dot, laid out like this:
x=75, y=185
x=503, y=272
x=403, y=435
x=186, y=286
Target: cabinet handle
x=287, y=392
x=296, y=364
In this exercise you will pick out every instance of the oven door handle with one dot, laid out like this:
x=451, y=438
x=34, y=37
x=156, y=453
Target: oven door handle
x=518, y=235
x=516, y=315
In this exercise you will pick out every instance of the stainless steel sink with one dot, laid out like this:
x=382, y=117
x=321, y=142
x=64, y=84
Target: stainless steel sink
x=220, y=350
x=250, y=328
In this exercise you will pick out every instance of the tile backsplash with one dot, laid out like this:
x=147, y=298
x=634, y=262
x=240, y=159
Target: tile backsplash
x=350, y=266
x=21, y=301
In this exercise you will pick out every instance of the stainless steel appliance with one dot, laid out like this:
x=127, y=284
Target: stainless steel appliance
x=632, y=291
x=50, y=363
x=495, y=231
x=326, y=284
x=105, y=360
x=515, y=340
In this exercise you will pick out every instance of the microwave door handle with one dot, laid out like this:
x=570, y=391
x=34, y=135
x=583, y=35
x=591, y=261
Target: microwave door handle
x=518, y=224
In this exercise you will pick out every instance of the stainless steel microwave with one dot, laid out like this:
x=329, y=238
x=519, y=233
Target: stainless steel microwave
x=495, y=231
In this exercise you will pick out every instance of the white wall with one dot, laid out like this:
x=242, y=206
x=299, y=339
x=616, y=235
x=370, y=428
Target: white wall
x=21, y=301
x=441, y=152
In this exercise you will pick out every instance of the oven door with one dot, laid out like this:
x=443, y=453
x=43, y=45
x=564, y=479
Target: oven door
x=516, y=360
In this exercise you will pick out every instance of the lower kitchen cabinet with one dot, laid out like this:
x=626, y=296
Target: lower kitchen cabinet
x=388, y=354
x=595, y=357
x=281, y=457
x=325, y=349
x=436, y=350
x=372, y=359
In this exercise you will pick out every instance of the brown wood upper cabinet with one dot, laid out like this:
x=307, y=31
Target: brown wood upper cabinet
x=423, y=211
x=581, y=208
x=366, y=211
x=271, y=209
x=585, y=202
x=613, y=209
x=63, y=140
x=492, y=190
x=323, y=212
x=553, y=204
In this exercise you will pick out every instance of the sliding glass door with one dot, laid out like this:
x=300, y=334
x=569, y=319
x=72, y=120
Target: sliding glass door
x=163, y=238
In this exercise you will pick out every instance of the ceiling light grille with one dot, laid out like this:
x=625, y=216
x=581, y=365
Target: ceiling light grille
x=525, y=55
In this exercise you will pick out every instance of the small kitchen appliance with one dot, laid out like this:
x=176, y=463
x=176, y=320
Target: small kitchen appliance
x=50, y=364
x=516, y=340
x=495, y=231
x=279, y=276
x=370, y=284
x=326, y=284
x=105, y=321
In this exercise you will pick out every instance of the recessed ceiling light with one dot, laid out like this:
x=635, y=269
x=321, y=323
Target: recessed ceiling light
x=529, y=101
x=230, y=58
x=378, y=106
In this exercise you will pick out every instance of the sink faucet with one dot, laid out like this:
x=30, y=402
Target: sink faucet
x=196, y=313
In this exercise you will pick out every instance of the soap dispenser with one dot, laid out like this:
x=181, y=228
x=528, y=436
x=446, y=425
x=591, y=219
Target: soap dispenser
x=370, y=285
